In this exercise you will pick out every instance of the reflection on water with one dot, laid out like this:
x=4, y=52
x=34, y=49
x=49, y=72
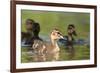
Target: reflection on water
x=71, y=53
x=54, y=56
x=65, y=54
x=37, y=57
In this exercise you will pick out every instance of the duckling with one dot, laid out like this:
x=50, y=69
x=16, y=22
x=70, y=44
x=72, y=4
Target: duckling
x=49, y=49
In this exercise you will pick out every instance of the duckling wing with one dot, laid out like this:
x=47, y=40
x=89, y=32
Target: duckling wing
x=37, y=44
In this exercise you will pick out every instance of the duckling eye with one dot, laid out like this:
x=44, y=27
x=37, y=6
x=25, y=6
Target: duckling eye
x=59, y=33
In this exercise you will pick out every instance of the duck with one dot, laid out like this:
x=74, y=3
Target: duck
x=48, y=48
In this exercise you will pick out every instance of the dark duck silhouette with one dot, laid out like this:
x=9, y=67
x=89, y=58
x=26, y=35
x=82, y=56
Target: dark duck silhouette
x=32, y=33
x=69, y=39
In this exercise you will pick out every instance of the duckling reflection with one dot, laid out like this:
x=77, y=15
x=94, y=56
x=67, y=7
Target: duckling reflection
x=46, y=57
x=39, y=58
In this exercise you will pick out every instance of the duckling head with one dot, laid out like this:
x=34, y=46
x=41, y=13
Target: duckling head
x=56, y=34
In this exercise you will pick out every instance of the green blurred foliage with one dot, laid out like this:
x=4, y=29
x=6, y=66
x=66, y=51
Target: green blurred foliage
x=49, y=20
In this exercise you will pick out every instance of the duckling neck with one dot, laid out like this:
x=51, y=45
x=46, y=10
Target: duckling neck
x=70, y=37
x=55, y=45
x=53, y=42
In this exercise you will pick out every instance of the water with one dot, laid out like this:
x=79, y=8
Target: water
x=79, y=52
